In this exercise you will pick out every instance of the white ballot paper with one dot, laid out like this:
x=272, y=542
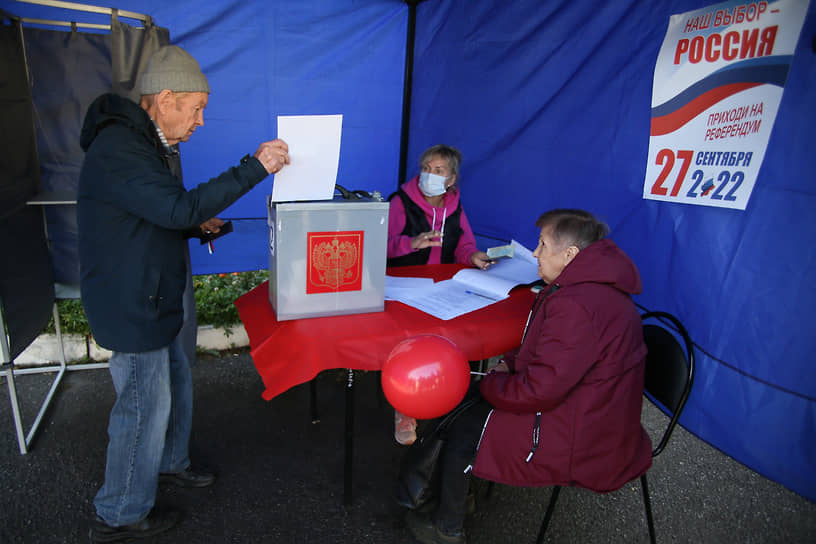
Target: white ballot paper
x=395, y=285
x=314, y=151
x=471, y=288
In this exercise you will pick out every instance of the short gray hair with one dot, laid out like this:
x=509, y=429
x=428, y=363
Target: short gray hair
x=573, y=227
x=447, y=152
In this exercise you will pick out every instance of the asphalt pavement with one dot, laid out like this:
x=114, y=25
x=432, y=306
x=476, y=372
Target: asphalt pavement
x=281, y=475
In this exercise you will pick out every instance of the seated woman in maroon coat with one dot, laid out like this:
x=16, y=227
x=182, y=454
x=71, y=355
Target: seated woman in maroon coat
x=564, y=408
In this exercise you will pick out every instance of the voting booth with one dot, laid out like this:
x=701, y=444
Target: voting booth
x=327, y=257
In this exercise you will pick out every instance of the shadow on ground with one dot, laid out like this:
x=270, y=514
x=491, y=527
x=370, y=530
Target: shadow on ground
x=281, y=476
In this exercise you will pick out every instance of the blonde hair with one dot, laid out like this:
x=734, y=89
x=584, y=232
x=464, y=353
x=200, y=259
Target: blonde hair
x=447, y=152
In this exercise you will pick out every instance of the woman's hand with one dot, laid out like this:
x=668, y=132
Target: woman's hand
x=426, y=239
x=479, y=259
x=501, y=367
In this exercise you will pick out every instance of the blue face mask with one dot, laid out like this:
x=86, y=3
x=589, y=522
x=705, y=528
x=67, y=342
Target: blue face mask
x=431, y=184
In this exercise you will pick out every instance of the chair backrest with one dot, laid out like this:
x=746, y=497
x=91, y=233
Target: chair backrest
x=669, y=368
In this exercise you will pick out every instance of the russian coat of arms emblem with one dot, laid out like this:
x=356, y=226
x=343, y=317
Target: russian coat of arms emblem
x=335, y=261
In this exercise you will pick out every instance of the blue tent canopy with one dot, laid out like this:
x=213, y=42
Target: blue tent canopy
x=550, y=103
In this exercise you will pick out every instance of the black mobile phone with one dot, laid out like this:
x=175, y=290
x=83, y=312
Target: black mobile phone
x=226, y=228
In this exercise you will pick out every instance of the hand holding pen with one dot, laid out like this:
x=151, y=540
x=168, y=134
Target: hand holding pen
x=500, y=367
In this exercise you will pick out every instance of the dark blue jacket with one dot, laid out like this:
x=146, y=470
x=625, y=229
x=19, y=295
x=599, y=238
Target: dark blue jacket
x=132, y=214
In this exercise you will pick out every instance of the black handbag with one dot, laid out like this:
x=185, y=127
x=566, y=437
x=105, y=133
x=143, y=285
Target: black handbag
x=417, y=483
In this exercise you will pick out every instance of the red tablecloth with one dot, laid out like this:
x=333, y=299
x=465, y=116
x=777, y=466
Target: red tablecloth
x=288, y=353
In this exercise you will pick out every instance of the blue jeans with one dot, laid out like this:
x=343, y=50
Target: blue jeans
x=148, y=431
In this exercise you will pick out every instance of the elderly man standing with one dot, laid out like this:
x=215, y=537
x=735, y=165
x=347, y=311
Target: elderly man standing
x=134, y=215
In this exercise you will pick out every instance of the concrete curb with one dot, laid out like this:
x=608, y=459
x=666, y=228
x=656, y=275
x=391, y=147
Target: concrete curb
x=44, y=350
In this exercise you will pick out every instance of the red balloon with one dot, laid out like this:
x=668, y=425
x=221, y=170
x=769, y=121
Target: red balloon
x=425, y=376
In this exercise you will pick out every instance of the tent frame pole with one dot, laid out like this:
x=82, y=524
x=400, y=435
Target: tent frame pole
x=145, y=19
x=88, y=8
x=410, y=38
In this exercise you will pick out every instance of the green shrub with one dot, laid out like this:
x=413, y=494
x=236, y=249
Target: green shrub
x=72, y=318
x=214, y=294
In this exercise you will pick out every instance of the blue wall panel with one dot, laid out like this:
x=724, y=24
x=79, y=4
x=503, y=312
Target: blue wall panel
x=550, y=104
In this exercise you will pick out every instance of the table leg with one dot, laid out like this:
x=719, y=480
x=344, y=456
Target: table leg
x=481, y=364
x=349, y=438
x=380, y=393
x=313, y=400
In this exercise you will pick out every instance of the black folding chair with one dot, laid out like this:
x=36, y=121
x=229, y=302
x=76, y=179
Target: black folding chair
x=669, y=377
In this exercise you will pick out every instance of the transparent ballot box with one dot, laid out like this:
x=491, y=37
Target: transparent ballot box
x=327, y=257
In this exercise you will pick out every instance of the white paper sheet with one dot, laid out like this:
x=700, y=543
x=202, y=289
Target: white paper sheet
x=471, y=289
x=396, y=286
x=521, y=252
x=402, y=282
x=314, y=149
x=447, y=299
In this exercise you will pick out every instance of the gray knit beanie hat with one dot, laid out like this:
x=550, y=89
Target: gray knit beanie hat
x=174, y=69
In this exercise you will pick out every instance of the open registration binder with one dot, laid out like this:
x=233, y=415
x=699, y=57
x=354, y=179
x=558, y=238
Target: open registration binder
x=470, y=289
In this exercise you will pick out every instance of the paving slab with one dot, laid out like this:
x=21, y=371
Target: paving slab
x=281, y=476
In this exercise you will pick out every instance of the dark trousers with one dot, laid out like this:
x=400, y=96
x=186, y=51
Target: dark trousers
x=459, y=451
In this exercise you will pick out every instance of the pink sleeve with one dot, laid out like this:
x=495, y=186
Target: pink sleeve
x=398, y=245
x=467, y=242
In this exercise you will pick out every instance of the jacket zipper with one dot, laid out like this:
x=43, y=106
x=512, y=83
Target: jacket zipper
x=536, y=434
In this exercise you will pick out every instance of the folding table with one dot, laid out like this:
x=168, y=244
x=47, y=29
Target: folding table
x=289, y=353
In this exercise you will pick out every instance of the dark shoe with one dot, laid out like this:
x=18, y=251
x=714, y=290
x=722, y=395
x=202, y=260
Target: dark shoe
x=425, y=531
x=188, y=478
x=157, y=521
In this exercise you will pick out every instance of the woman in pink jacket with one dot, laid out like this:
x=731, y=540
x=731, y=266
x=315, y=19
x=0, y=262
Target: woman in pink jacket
x=564, y=408
x=427, y=225
x=426, y=222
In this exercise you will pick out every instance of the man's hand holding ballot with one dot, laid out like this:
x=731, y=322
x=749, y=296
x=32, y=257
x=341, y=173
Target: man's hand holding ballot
x=273, y=155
